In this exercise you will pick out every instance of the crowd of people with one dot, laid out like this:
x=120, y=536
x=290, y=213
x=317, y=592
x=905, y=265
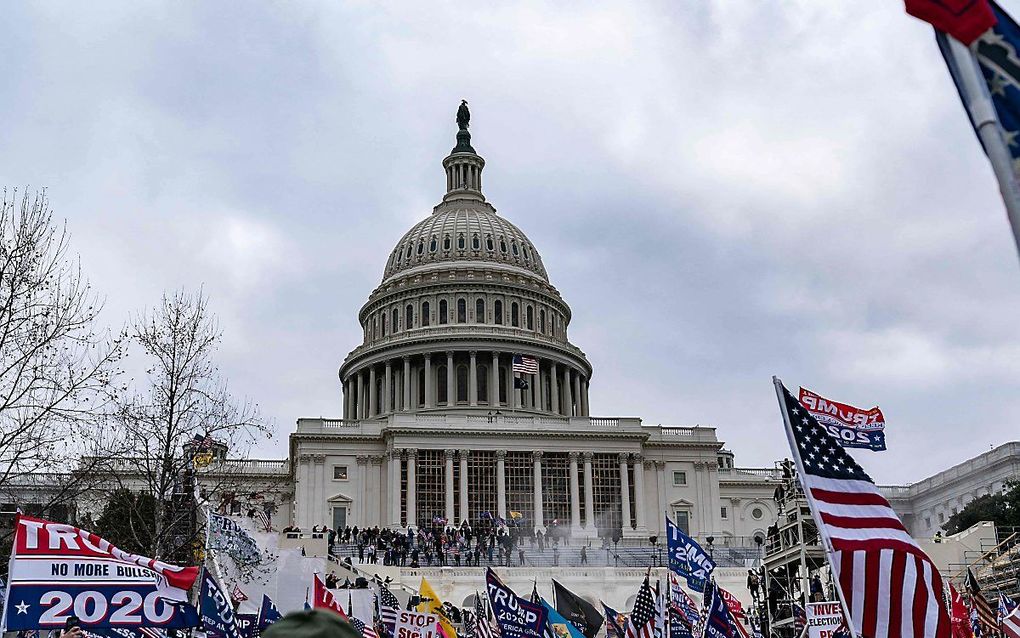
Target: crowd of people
x=440, y=544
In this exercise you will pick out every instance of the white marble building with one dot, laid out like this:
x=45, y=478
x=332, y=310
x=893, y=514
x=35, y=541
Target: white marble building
x=925, y=506
x=435, y=423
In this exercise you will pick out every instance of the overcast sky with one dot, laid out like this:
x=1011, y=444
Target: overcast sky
x=721, y=190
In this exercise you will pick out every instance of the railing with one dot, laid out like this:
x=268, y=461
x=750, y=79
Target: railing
x=467, y=329
x=673, y=430
x=604, y=422
x=764, y=472
x=341, y=423
x=253, y=466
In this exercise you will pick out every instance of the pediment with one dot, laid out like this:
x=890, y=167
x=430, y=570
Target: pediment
x=680, y=502
x=340, y=498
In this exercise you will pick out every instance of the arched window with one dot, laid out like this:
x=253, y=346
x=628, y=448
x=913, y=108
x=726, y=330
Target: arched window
x=409, y=250
x=460, y=242
x=502, y=245
x=461, y=311
x=475, y=242
x=441, y=386
x=421, y=246
x=382, y=323
x=529, y=318
x=541, y=320
x=446, y=242
x=482, y=383
x=432, y=244
x=395, y=321
x=488, y=244
x=513, y=248
x=442, y=311
x=527, y=253
x=408, y=317
x=497, y=312
x=462, y=384
x=515, y=315
x=425, y=317
x=479, y=310
x=502, y=384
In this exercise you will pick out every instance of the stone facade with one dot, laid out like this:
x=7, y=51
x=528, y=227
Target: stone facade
x=925, y=506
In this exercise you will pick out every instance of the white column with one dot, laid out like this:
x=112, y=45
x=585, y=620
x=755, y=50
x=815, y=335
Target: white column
x=494, y=382
x=473, y=379
x=407, y=383
x=624, y=493
x=358, y=508
x=359, y=405
x=464, y=485
x=319, y=489
x=554, y=388
x=412, y=488
x=501, y=483
x=639, y=493
x=540, y=393
x=449, y=486
x=375, y=507
x=394, y=489
x=575, y=495
x=660, y=483
x=430, y=397
x=537, y=459
x=303, y=494
x=373, y=395
x=451, y=388
x=584, y=398
x=387, y=405
x=577, y=394
x=568, y=401
x=347, y=399
x=589, y=495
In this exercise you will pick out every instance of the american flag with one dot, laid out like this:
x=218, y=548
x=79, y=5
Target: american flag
x=1006, y=606
x=985, y=614
x=237, y=595
x=641, y=623
x=525, y=365
x=1011, y=623
x=483, y=619
x=892, y=588
x=366, y=630
x=388, y=608
x=263, y=518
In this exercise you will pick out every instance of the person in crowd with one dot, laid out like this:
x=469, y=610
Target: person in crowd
x=313, y=623
x=584, y=555
x=753, y=585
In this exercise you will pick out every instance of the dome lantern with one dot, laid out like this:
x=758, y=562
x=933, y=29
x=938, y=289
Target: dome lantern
x=463, y=166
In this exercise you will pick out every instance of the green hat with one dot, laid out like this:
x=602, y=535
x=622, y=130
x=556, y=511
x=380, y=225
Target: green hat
x=313, y=623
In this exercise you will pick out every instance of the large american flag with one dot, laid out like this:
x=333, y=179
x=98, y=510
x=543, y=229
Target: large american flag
x=525, y=365
x=985, y=612
x=641, y=623
x=366, y=630
x=1011, y=623
x=388, y=608
x=892, y=588
x=483, y=619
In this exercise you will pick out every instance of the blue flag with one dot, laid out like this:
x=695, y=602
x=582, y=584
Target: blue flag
x=719, y=623
x=561, y=627
x=268, y=613
x=686, y=558
x=248, y=625
x=678, y=625
x=217, y=611
x=997, y=56
x=517, y=617
x=615, y=622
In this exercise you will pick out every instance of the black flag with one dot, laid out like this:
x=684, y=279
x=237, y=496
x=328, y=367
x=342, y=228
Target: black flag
x=578, y=611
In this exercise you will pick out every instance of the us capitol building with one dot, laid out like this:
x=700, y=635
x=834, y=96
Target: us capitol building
x=438, y=425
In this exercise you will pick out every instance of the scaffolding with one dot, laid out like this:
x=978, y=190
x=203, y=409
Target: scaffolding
x=795, y=565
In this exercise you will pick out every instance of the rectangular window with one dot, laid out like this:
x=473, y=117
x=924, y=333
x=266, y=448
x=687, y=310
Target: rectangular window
x=339, y=472
x=679, y=478
x=682, y=518
x=722, y=512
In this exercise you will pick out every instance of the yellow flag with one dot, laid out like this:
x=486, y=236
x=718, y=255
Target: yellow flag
x=430, y=603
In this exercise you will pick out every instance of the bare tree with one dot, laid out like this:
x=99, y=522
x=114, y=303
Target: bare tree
x=57, y=370
x=183, y=413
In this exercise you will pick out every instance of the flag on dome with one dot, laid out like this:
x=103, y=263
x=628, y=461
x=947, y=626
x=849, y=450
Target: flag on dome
x=525, y=365
x=889, y=584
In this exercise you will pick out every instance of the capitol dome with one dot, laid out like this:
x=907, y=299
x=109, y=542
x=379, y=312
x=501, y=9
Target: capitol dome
x=465, y=318
x=464, y=233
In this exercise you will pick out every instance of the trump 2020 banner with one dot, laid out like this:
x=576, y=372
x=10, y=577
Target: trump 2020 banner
x=686, y=558
x=853, y=427
x=58, y=571
x=517, y=617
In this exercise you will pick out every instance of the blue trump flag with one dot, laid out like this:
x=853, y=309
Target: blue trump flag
x=686, y=558
x=718, y=623
x=268, y=613
x=561, y=627
x=218, y=619
x=517, y=617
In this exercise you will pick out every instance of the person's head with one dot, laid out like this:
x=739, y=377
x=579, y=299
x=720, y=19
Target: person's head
x=313, y=623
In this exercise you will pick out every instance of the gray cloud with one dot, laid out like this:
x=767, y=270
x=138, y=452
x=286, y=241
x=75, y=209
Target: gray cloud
x=722, y=191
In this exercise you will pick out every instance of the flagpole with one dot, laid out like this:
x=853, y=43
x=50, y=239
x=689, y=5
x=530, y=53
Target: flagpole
x=986, y=123
x=826, y=543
